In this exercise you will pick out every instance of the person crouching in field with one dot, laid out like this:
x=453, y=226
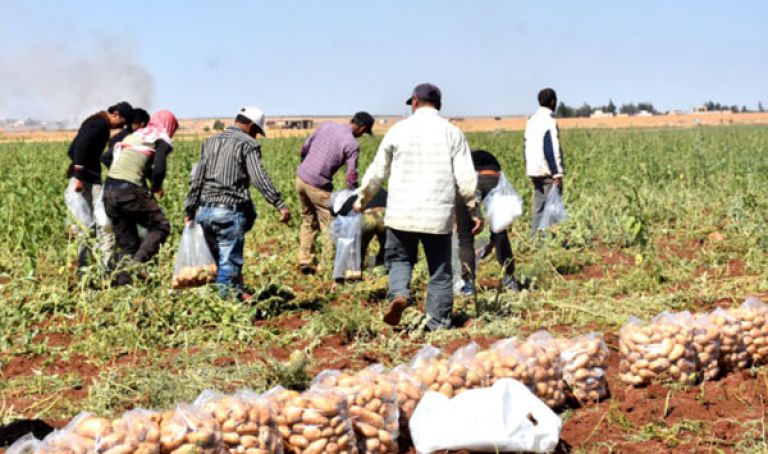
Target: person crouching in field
x=331, y=146
x=84, y=172
x=139, y=119
x=488, y=173
x=543, y=155
x=425, y=159
x=219, y=199
x=128, y=200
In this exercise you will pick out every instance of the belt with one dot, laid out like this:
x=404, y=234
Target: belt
x=222, y=205
x=119, y=184
x=489, y=173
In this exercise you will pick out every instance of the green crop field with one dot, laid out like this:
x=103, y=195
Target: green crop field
x=658, y=220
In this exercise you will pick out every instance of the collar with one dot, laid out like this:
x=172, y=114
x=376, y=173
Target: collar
x=545, y=111
x=426, y=110
x=240, y=134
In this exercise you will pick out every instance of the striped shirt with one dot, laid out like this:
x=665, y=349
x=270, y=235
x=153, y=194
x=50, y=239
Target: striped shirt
x=228, y=163
x=324, y=152
x=426, y=160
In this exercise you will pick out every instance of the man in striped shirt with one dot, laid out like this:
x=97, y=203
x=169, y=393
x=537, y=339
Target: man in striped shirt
x=219, y=199
x=425, y=160
x=322, y=155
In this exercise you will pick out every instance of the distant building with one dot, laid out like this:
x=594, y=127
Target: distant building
x=598, y=113
x=643, y=113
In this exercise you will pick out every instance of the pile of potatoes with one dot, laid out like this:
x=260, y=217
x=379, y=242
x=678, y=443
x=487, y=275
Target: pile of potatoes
x=753, y=316
x=188, y=429
x=194, y=276
x=450, y=376
x=548, y=382
x=372, y=400
x=584, y=360
x=318, y=421
x=136, y=432
x=247, y=421
x=505, y=360
x=733, y=352
x=660, y=349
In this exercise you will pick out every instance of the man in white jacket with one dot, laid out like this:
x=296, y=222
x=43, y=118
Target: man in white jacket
x=425, y=160
x=543, y=156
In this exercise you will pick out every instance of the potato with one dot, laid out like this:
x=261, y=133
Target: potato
x=707, y=340
x=753, y=315
x=661, y=349
x=194, y=276
x=584, y=360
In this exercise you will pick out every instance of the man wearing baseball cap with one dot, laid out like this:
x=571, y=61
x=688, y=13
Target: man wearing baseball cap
x=219, y=199
x=331, y=146
x=426, y=160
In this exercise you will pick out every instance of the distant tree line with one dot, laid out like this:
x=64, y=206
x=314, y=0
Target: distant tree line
x=585, y=110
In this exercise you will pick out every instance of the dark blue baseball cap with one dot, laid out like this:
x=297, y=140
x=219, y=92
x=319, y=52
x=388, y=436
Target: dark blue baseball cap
x=426, y=92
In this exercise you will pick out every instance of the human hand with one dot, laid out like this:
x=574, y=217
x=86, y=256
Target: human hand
x=285, y=215
x=159, y=192
x=357, y=207
x=557, y=181
x=187, y=220
x=79, y=185
x=478, y=225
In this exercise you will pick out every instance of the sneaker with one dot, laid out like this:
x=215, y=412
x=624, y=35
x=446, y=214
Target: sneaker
x=511, y=284
x=468, y=289
x=395, y=310
x=307, y=269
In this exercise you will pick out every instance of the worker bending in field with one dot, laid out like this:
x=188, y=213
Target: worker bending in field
x=331, y=146
x=543, y=155
x=219, y=199
x=488, y=173
x=425, y=159
x=130, y=202
x=139, y=119
x=84, y=171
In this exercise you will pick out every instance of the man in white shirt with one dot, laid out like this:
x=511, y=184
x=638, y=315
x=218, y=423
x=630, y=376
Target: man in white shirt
x=543, y=156
x=425, y=160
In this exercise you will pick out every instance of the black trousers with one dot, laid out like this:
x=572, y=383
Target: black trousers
x=499, y=241
x=130, y=206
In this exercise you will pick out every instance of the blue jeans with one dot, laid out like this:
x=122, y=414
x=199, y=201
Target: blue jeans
x=225, y=231
x=400, y=256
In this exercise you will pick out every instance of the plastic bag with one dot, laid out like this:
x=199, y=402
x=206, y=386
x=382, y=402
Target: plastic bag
x=82, y=434
x=504, y=417
x=189, y=428
x=464, y=370
x=505, y=359
x=548, y=382
x=195, y=265
x=340, y=202
x=585, y=359
x=79, y=208
x=247, y=420
x=372, y=400
x=706, y=343
x=317, y=422
x=100, y=213
x=661, y=349
x=554, y=209
x=753, y=315
x=28, y=444
x=733, y=351
x=503, y=205
x=410, y=390
x=346, y=233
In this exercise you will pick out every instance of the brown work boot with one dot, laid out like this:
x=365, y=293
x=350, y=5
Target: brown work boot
x=395, y=310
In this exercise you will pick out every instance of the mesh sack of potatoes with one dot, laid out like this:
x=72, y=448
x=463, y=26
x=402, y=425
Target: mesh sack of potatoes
x=733, y=352
x=462, y=371
x=753, y=315
x=548, y=382
x=660, y=349
x=706, y=343
x=136, y=432
x=584, y=360
x=190, y=429
x=247, y=421
x=505, y=360
x=317, y=421
x=410, y=390
x=372, y=400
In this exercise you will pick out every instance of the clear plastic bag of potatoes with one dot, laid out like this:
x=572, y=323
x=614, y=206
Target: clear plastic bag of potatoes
x=80, y=435
x=505, y=359
x=28, y=444
x=410, y=390
x=584, y=360
x=317, y=421
x=706, y=343
x=137, y=431
x=753, y=315
x=658, y=350
x=548, y=382
x=280, y=397
x=247, y=421
x=733, y=351
x=430, y=366
x=190, y=429
x=195, y=265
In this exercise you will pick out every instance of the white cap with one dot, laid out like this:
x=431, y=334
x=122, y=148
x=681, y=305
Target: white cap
x=256, y=116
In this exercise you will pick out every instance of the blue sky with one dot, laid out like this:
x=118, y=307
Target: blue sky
x=489, y=57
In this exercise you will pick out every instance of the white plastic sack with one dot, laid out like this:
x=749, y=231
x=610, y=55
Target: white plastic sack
x=337, y=200
x=195, y=265
x=554, y=210
x=100, y=213
x=346, y=233
x=79, y=208
x=503, y=205
x=504, y=417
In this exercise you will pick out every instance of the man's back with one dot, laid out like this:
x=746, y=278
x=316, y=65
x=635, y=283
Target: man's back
x=324, y=152
x=542, y=145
